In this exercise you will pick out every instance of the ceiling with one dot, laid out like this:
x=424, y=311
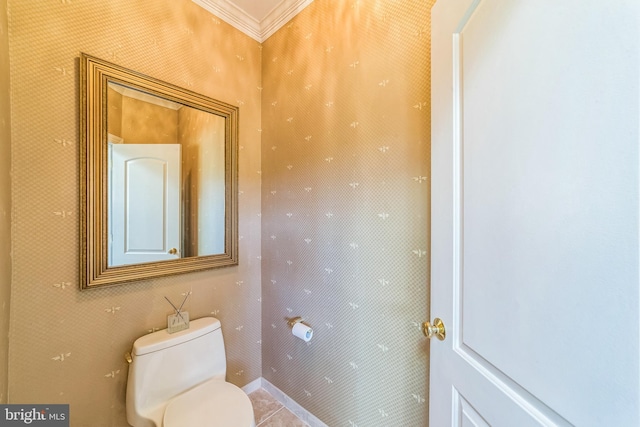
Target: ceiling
x=256, y=18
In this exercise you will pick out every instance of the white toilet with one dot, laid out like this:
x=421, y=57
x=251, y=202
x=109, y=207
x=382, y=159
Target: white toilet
x=178, y=380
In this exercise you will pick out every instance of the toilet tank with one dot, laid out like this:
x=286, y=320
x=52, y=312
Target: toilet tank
x=164, y=365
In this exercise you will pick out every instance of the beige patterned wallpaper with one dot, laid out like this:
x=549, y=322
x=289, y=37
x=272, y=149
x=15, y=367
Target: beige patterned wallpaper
x=67, y=346
x=345, y=210
x=5, y=203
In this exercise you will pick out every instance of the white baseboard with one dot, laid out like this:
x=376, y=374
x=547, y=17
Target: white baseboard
x=253, y=386
x=291, y=404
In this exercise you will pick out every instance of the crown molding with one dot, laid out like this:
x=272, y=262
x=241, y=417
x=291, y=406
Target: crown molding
x=144, y=97
x=258, y=30
x=280, y=15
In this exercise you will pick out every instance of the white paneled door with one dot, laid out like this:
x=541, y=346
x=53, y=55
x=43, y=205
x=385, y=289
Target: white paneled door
x=535, y=211
x=144, y=203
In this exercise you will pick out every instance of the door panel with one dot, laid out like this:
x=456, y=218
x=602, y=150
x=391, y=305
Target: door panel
x=466, y=414
x=144, y=204
x=535, y=212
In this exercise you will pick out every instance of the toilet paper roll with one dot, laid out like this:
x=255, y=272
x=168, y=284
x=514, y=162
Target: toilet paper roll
x=302, y=331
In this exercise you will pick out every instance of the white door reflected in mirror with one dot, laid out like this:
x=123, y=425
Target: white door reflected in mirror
x=144, y=203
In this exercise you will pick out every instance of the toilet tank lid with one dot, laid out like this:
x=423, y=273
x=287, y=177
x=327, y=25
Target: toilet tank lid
x=162, y=339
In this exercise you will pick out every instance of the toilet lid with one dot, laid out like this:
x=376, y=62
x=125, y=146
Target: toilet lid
x=215, y=403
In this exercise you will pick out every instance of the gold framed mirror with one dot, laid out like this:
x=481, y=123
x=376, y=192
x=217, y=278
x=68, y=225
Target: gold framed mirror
x=158, y=177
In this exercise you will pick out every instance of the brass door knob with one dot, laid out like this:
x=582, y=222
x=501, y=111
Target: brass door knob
x=173, y=251
x=434, y=330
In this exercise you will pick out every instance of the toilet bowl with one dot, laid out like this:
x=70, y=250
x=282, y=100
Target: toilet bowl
x=215, y=401
x=178, y=380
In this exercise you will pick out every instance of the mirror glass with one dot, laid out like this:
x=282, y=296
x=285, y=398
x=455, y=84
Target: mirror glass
x=159, y=177
x=166, y=178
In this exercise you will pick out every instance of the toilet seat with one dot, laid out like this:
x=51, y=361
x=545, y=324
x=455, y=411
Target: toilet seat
x=214, y=403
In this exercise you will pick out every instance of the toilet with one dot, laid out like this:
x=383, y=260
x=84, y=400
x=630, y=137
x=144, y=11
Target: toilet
x=178, y=380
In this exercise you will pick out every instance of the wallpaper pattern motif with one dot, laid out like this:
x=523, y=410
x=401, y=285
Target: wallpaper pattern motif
x=67, y=346
x=345, y=211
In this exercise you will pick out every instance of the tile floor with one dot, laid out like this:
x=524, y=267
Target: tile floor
x=271, y=413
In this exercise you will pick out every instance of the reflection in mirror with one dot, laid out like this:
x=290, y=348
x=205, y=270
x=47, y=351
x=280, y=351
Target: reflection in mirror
x=159, y=174
x=166, y=178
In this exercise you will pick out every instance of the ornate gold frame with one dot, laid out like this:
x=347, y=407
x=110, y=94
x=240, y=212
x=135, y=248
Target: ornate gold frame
x=94, y=271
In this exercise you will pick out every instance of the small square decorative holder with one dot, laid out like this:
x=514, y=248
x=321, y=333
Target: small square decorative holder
x=178, y=322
